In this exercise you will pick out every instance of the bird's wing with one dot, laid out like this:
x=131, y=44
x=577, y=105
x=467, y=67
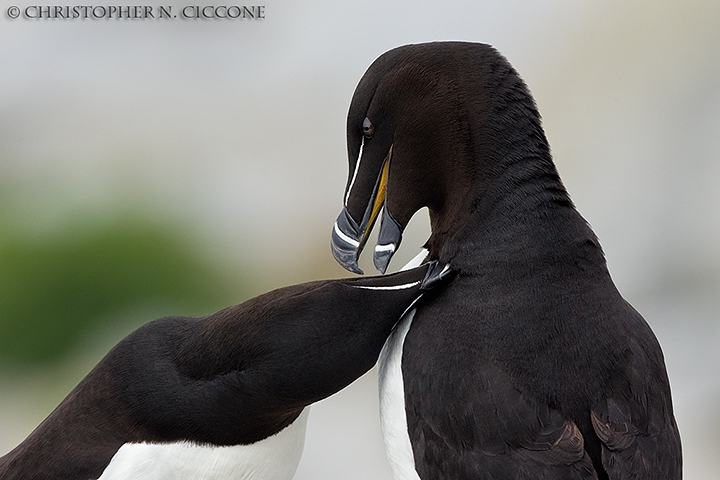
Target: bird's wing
x=636, y=447
x=639, y=435
x=495, y=433
x=635, y=421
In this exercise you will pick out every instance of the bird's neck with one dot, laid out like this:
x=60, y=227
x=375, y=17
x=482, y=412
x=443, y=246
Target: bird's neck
x=512, y=205
x=516, y=208
x=530, y=226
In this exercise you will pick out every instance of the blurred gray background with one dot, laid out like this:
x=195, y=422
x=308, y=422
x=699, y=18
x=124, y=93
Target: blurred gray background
x=152, y=168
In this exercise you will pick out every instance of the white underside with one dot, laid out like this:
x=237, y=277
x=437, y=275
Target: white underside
x=275, y=458
x=392, y=396
x=392, y=403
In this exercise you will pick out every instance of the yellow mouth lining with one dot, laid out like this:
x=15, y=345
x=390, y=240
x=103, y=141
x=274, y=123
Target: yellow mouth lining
x=379, y=198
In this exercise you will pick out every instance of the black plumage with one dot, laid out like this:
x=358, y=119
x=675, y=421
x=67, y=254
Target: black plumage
x=529, y=364
x=231, y=378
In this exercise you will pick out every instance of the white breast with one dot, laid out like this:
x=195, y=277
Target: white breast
x=392, y=403
x=275, y=458
x=392, y=395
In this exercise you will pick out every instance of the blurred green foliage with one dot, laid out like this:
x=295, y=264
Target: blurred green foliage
x=53, y=290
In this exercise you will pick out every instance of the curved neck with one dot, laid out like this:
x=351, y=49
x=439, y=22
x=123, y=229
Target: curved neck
x=515, y=197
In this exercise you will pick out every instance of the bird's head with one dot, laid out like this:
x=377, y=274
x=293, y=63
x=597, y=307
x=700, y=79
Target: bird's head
x=407, y=138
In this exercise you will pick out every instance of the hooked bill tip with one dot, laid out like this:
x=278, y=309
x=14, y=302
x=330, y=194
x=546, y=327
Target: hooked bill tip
x=345, y=244
x=346, y=259
x=436, y=273
x=382, y=257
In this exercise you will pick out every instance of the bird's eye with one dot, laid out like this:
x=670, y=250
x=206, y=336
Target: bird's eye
x=368, y=128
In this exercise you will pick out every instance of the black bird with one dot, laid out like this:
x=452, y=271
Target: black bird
x=529, y=364
x=222, y=396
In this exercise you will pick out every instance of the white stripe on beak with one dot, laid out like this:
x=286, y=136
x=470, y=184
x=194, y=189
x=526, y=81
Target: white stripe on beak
x=389, y=287
x=344, y=237
x=389, y=247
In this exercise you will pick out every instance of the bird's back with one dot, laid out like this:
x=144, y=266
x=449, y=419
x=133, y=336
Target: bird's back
x=524, y=356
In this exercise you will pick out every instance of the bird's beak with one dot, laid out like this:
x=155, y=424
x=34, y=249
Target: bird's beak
x=349, y=238
x=388, y=241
